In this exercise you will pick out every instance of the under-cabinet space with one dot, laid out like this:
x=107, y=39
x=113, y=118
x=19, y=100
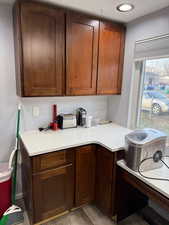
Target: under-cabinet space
x=129, y=199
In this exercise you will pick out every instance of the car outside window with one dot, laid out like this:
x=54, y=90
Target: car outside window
x=153, y=110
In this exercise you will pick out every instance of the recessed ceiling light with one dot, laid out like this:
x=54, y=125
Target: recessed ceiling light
x=125, y=7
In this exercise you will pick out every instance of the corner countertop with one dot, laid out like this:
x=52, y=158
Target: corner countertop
x=158, y=185
x=110, y=136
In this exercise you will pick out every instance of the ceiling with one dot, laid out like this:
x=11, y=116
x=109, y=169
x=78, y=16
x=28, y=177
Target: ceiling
x=107, y=8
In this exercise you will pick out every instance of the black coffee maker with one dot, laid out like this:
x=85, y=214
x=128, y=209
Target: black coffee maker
x=81, y=117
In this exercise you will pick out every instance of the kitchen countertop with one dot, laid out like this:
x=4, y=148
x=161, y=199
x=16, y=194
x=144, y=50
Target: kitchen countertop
x=163, y=172
x=110, y=136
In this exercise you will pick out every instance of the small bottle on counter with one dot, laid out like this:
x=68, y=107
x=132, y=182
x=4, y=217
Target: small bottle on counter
x=88, y=121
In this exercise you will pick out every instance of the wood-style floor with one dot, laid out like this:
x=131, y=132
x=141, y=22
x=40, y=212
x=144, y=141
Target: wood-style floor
x=90, y=215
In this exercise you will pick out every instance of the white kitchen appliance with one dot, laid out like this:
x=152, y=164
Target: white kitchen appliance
x=144, y=144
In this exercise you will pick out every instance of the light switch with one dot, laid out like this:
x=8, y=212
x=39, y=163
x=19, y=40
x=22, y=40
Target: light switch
x=35, y=111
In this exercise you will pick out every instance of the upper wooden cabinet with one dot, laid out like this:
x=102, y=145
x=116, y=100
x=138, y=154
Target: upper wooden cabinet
x=60, y=52
x=42, y=47
x=110, y=60
x=82, y=51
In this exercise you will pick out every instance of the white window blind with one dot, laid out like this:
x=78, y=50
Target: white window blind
x=152, y=48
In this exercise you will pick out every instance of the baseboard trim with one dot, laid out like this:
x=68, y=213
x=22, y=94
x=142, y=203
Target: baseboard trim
x=52, y=218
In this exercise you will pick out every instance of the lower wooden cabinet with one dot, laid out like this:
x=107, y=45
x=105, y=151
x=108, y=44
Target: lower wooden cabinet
x=53, y=192
x=48, y=183
x=59, y=181
x=104, y=179
x=85, y=174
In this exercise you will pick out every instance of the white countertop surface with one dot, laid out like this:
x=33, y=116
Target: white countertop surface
x=111, y=136
x=163, y=172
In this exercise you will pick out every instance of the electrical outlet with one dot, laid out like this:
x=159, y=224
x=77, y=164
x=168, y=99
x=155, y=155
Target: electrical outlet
x=35, y=111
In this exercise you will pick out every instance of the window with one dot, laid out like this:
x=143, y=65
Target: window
x=153, y=103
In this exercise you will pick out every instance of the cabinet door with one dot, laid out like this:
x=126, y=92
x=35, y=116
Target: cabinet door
x=82, y=50
x=85, y=175
x=104, y=179
x=43, y=50
x=110, y=61
x=53, y=192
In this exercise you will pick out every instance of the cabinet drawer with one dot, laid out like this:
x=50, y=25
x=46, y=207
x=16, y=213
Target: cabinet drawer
x=52, y=160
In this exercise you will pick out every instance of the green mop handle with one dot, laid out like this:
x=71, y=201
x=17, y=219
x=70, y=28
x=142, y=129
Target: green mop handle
x=16, y=159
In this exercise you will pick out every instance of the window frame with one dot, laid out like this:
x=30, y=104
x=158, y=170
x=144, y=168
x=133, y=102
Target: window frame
x=139, y=81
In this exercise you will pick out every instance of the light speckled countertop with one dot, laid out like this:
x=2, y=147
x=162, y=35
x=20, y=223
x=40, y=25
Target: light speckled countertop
x=110, y=136
x=158, y=185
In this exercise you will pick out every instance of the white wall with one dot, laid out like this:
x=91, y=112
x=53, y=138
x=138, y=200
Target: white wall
x=8, y=98
x=95, y=106
x=149, y=26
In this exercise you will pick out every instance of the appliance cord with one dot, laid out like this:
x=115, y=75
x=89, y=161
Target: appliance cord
x=152, y=178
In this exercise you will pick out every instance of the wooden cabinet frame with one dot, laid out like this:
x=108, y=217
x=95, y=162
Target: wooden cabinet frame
x=77, y=170
x=48, y=188
x=81, y=175
x=52, y=61
x=121, y=193
x=85, y=174
x=49, y=202
x=39, y=33
x=81, y=54
x=110, y=58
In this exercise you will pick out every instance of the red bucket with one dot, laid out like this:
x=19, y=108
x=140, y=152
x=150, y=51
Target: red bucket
x=5, y=188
